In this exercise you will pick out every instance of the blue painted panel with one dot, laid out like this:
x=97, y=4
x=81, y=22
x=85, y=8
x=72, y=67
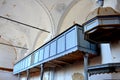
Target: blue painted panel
x=46, y=52
x=15, y=68
x=61, y=44
x=71, y=39
x=22, y=64
x=53, y=48
x=25, y=63
x=32, y=59
x=82, y=43
x=41, y=54
x=36, y=54
x=29, y=60
x=18, y=66
x=93, y=46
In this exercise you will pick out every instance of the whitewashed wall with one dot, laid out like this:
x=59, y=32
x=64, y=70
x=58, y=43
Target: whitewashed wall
x=54, y=16
x=77, y=13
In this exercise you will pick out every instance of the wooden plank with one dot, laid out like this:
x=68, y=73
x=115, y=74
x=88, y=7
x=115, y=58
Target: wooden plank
x=62, y=62
x=6, y=69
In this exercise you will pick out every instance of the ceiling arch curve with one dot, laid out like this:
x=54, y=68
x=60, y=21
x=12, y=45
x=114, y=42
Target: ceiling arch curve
x=74, y=2
x=76, y=14
x=26, y=11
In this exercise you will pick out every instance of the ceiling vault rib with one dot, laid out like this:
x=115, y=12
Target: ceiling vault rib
x=24, y=24
x=13, y=46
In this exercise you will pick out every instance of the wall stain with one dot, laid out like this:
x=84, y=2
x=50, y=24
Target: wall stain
x=60, y=7
x=7, y=15
x=14, y=5
x=19, y=43
x=74, y=22
x=44, y=78
x=77, y=76
x=4, y=2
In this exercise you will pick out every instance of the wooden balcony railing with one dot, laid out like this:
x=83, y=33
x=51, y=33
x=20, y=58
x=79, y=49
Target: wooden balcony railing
x=67, y=46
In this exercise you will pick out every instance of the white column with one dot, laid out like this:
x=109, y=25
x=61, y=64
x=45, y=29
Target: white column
x=106, y=53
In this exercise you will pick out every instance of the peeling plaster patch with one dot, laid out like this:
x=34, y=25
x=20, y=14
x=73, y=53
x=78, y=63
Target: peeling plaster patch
x=15, y=54
x=77, y=76
x=19, y=43
x=52, y=8
x=7, y=15
x=14, y=5
x=44, y=78
x=114, y=57
x=60, y=7
x=4, y=2
x=74, y=22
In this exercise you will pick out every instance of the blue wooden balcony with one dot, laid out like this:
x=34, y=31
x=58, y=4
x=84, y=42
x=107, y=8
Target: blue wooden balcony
x=65, y=48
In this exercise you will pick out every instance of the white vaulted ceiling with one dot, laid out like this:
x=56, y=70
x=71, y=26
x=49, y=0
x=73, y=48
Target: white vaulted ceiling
x=43, y=14
x=52, y=15
x=26, y=11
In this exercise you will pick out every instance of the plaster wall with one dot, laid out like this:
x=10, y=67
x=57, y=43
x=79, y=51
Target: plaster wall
x=8, y=55
x=61, y=17
x=7, y=58
x=4, y=75
x=28, y=12
x=78, y=14
x=74, y=71
x=115, y=50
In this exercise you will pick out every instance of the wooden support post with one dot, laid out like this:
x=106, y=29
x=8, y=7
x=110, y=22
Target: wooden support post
x=18, y=76
x=52, y=73
x=28, y=74
x=86, y=66
x=42, y=71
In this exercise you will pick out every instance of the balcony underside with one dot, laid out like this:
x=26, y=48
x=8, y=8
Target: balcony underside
x=62, y=61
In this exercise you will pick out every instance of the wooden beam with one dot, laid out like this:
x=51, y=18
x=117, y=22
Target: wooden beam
x=59, y=61
x=54, y=64
x=37, y=67
x=23, y=24
x=13, y=46
x=28, y=74
x=6, y=69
